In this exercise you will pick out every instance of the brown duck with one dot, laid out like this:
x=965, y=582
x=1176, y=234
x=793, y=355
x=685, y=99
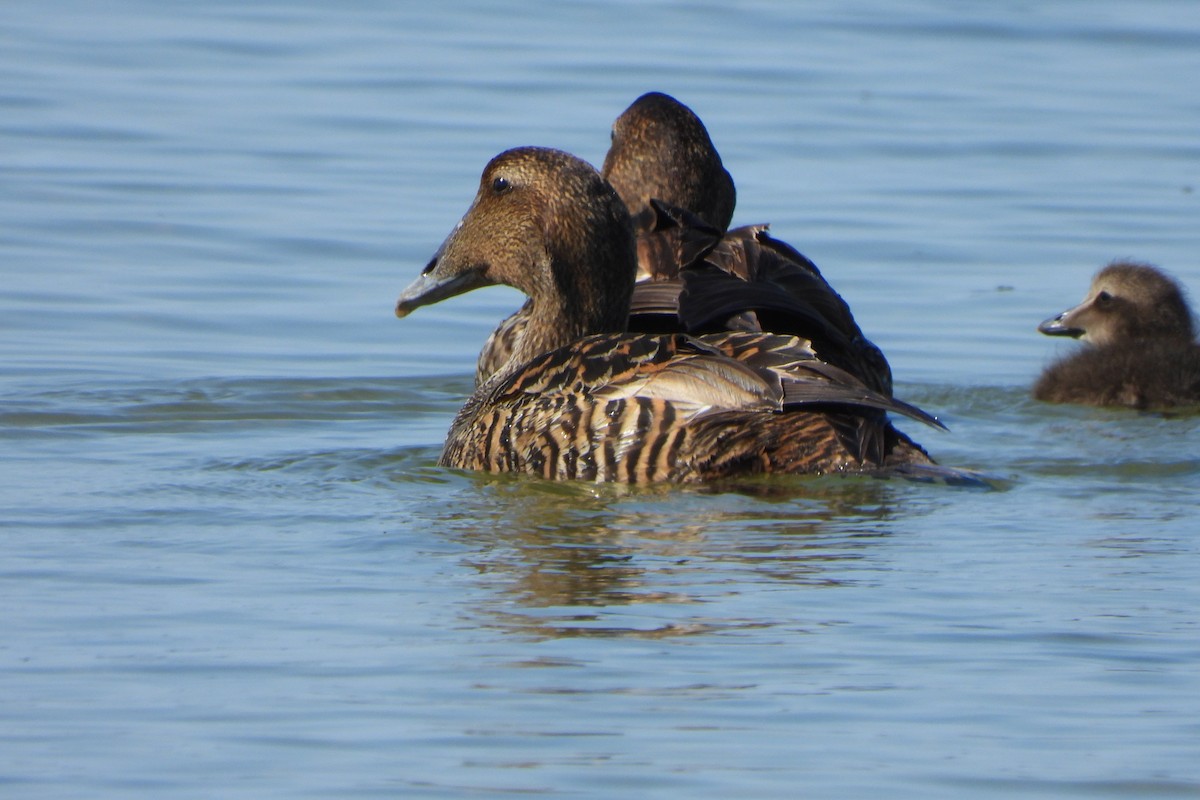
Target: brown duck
x=1140, y=349
x=692, y=275
x=580, y=398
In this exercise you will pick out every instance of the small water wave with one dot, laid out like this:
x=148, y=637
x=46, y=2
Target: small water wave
x=196, y=404
x=998, y=433
x=1002, y=430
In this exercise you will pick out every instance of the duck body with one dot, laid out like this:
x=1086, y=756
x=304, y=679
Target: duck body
x=678, y=408
x=580, y=397
x=1139, y=349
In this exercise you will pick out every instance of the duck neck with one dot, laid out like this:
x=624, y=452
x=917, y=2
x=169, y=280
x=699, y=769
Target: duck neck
x=580, y=297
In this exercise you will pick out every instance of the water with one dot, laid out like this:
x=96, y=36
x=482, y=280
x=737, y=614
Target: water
x=230, y=567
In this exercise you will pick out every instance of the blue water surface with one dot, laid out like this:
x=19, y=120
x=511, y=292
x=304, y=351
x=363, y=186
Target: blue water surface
x=230, y=567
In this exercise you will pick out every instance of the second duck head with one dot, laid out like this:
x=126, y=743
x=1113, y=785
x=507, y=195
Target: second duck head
x=661, y=150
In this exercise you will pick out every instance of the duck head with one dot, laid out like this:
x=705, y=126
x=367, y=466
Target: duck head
x=1126, y=301
x=545, y=223
x=661, y=150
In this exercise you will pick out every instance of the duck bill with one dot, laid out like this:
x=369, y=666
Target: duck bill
x=432, y=286
x=447, y=274
x=1062, y=325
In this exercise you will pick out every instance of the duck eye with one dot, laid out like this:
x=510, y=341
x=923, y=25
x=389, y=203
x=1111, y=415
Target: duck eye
x=1103, y=299
x=500, y=184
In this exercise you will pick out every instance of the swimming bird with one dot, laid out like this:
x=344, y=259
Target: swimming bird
x=581, y=398
x=1139, y=344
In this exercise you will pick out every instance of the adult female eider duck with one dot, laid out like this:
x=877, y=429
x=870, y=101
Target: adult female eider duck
x=1140, y=349
x=579, y=398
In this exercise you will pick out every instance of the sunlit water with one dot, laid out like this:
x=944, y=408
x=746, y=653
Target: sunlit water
x=229, y=566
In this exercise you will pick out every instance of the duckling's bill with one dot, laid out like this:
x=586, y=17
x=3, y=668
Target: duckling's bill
x=1060, y=326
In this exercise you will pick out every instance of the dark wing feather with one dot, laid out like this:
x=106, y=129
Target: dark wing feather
x=711, y=296
x=751, y=276
x=676, y=238
x=805, y=378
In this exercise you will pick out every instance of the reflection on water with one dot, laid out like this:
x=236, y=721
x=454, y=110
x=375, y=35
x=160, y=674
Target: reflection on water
x=565, y=560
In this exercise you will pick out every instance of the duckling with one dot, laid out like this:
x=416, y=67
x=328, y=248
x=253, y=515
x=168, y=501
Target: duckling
x=1140, y=349
x=581, y=398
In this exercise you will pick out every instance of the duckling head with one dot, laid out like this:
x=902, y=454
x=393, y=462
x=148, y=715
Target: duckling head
x=661, y=150
x=1126, y=301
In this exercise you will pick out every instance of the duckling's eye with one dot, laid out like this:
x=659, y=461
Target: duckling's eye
x=1103, y=299
x=500, y=184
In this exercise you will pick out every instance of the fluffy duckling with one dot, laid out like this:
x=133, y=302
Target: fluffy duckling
x=1140, y=349
x=580, y=398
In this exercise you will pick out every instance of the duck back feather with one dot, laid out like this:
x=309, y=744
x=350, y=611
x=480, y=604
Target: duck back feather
x=748, y=280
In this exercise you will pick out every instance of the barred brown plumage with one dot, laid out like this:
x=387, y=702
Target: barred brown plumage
x=580, y=398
